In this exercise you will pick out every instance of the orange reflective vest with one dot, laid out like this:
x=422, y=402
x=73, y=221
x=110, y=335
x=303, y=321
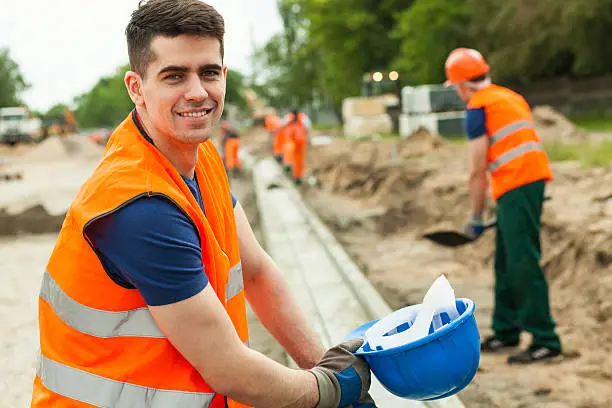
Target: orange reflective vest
x=273, y=123
x=99, y=344
x=515, y=155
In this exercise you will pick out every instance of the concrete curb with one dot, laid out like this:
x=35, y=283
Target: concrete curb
x=364, y=292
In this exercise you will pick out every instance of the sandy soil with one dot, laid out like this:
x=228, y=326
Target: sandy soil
x=22, y=264
x=380, y=197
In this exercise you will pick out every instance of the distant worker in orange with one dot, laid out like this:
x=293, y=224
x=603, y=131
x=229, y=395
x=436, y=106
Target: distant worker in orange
x=503, y=141
x=274, y=125
x=297, y=127
x=230, y=139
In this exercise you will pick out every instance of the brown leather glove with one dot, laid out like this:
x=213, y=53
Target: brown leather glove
x=343, y=378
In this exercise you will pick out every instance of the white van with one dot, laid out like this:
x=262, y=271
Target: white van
x=17, y=126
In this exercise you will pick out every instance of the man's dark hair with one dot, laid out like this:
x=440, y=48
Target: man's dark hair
x=169, y=18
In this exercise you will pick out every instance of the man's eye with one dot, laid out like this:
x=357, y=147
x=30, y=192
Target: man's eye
x=173, y=77
x=211, y=74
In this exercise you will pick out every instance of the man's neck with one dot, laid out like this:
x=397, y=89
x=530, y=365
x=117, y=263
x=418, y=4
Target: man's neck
x=183, y=156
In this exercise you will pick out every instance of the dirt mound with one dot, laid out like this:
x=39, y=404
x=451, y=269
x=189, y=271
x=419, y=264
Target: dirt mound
x=553, y=126
x=56, y=148
x=361, y=168
x=258, y=141
x=383, y=174
x=420, y=142
x=16, y=150
x=32, y=220
x=400, y=189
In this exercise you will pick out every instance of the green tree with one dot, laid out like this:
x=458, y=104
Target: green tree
x=106, y=104
x=234, y=93
x=526, y=40
x=326, y=47
x=427, y=32
x=12, y=82
x=56, y=111
x=288, y=63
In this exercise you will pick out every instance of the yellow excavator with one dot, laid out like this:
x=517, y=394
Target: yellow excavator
x=258, y=107
x=60, y=125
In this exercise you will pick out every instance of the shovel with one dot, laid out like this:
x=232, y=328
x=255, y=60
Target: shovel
x=452, y=238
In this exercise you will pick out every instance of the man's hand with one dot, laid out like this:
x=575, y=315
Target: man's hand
x=474, y=227
x=343, y=378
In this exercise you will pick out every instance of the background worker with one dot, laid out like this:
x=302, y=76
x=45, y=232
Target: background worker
x=503, y=141
x=274, y=125
x=142, y=302
x=230, y=139
x=295, y=123
x=296, y=133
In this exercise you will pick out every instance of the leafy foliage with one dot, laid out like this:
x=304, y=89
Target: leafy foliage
x=523, y=40
x=12, y=82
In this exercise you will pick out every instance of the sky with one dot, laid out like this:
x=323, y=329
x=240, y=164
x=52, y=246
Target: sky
x=63, y=47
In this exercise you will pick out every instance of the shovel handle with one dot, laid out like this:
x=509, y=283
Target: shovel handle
x=491, y=223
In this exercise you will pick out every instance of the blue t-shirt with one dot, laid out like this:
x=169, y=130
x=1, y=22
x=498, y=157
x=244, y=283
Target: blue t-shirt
x=474, y=123
x=151, y=245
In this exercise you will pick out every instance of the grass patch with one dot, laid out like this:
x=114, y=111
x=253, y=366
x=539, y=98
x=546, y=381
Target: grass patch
x=457, y=140
x=598, y=123
x=589, y=154
x=326, y=127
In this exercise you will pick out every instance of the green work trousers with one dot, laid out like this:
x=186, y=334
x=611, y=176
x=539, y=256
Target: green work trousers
x=521, y=290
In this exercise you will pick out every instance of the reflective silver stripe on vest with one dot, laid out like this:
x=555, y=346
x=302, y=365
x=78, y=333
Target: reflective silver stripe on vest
x=510, y=129
x=513, y=154
x=99, y=323
x=103, y=392
x=235, y=282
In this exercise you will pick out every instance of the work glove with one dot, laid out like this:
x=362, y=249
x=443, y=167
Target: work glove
x=474, y=227
x=343, y=378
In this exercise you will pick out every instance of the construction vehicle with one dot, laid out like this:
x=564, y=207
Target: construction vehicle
x=60, y=124
x=18, y=125
x=381, y=83
x=258, y=107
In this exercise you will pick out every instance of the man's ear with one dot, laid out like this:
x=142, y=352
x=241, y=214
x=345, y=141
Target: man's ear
x=133, y=83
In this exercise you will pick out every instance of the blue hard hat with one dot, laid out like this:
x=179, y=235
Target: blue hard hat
x=435, y=366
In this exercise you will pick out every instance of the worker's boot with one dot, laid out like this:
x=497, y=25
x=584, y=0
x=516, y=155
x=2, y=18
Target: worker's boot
x=493, y=344
x=535, y=354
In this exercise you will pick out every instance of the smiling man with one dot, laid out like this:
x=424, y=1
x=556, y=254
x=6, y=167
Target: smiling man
x=143, y=300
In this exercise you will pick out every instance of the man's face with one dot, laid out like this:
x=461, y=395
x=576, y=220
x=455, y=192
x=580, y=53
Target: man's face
x=183, y=90
x=464, y=92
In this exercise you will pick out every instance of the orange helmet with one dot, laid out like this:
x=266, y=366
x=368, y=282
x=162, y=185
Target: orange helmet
x=464, y=64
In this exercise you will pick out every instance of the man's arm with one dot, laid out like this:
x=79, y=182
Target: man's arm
x=476, y=129
x=162, y=259
x=478, y=174
x=150, y=245
x=271, y=299
x=226, y=364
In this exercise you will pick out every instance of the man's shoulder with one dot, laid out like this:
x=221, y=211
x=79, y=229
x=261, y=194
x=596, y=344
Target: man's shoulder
x=146, y=212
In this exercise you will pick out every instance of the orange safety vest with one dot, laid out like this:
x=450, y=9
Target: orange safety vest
x=515, y=155
x=273, y=123
x=99, y=344
x=296, y=131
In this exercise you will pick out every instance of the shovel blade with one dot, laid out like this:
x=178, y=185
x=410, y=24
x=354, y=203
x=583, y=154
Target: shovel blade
x=448, y=238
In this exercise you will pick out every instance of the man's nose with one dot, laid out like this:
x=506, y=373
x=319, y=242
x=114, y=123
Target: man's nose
x=195, y=90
